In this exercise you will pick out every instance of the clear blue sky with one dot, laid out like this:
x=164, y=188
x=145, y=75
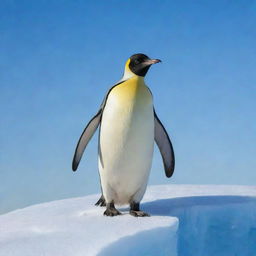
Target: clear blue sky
x=58, y=59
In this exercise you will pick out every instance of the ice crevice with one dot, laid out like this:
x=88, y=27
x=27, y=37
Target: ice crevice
x=212, y=225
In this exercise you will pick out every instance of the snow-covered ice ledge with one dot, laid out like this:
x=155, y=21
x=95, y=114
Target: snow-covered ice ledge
x=187, y=220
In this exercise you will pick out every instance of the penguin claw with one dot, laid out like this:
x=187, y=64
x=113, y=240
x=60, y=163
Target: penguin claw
x=139, y=213
x=112, y=212
x=101, y=202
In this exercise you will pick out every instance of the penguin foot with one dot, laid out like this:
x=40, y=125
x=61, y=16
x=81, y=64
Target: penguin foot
x=139, y=213
x=101, y=202
x=111, y=210
x=135, y=210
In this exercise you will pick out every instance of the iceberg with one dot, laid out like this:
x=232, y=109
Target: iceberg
x=186, y=220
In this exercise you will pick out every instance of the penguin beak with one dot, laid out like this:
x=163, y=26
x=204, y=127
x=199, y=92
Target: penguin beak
x=151, y=61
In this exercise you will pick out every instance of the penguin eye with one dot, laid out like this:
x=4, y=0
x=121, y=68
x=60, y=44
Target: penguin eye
x=136, y=62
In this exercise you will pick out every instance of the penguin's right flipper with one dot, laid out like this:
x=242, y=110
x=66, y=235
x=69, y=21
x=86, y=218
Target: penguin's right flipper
x=85, y=138
x=89, y=131
x=165, y=146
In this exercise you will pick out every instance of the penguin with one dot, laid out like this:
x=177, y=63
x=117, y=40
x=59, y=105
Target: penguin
x=128, y=126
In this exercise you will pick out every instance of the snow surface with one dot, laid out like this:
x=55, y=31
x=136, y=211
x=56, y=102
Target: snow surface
x=186, y=220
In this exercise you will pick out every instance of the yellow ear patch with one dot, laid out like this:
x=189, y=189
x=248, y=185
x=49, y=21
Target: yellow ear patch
x=127, y=65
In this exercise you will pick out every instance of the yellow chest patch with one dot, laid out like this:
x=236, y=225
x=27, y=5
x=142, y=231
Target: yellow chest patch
x=132, y=90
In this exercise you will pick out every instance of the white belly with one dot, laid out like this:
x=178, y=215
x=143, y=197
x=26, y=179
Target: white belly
x=126, y=148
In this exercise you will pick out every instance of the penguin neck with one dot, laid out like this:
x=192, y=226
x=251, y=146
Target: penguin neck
x=128, y=74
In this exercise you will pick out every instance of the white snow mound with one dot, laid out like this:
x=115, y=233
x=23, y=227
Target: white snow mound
x=186, y=220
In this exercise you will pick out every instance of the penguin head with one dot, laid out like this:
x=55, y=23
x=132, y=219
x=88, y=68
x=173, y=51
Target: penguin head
x=139, y=64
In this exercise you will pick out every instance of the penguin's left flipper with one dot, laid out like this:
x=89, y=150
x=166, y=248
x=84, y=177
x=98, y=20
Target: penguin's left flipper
x=165, y=146
x=85, y=138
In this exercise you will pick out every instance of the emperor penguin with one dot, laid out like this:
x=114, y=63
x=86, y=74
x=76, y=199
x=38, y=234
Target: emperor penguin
x=128, y=127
